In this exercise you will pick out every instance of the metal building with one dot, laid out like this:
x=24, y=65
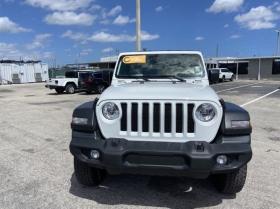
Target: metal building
x=249, y=67
x=23, y=72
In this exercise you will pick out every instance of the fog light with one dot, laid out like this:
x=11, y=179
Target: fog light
x=94, y=154
x=222, y=159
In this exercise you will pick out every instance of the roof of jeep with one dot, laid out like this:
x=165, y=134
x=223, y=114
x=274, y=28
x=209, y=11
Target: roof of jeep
x=161, y=52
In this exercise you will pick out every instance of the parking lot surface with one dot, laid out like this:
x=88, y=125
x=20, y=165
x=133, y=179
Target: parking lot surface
x=36, y=168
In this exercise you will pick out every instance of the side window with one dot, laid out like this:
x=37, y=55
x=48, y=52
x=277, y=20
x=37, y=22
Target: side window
x=98, y=75
x=71, y=74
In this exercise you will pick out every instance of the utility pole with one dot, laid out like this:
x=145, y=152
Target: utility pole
x=138, y=25
x=278, y=44
x=217, y=50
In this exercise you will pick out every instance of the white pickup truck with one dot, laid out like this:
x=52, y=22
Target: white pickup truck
x=69, y=83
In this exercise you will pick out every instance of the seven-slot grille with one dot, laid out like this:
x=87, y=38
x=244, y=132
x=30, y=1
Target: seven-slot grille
x=157, y=119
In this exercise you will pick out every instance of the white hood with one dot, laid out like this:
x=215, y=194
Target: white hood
x=160, y=91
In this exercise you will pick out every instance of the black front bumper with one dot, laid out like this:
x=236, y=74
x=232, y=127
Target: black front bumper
x=52, y=86
x=192, y=159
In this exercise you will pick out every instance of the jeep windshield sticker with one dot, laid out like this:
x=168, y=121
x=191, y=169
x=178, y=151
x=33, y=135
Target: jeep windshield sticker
x=135, y=59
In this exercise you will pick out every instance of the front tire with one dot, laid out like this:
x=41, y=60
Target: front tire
x=70, y=88
x=86, y=175
x=231, y=183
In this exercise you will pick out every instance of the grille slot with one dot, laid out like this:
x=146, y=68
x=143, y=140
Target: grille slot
x=124, y=117
x=179, y=118
x=145, y=117
x=167, y=118
x=134, y=117
x=157, y=119
x=190, y=118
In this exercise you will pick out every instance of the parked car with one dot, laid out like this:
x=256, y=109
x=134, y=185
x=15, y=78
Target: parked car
x=96, y=81
x=161, y=117
x=213, y=76
x=68, y=83
x=225, y=74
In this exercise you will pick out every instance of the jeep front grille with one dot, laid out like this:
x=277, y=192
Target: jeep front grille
x=157, y=119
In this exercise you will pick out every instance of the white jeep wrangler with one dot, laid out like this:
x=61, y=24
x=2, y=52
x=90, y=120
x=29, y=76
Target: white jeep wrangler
x=160, y=117
x=69, y=83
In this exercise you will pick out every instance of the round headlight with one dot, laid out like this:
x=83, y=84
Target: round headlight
x=205, y=112
x=110, y=111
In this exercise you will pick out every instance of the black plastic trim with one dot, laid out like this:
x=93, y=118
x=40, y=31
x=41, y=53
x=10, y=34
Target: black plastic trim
x=233, y=112
x=86, y=110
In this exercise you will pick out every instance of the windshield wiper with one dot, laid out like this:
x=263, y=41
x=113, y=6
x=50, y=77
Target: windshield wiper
x=143, y=79
x=176, y=77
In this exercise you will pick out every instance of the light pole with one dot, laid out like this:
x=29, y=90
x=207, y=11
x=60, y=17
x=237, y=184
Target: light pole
x=278, y=44
x=138, y=25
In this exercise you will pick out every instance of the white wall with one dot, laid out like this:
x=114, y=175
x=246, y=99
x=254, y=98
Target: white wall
x=26, y=71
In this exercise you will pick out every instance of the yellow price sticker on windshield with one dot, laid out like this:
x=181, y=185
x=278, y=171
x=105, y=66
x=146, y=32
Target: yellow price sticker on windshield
x=134, y=59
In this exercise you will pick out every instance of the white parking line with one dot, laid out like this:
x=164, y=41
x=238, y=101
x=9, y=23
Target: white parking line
x=255, y=100
x=238, y=87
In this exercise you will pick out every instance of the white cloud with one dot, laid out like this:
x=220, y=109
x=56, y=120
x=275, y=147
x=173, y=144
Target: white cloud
x=9, y=51
x=85, y=52
x=123, y=20
x=107, y=37
x=70, y=18
x=235, y=36
x=107, y=50
x=82, y=37
x=60, y=5
x=114, y=11
x=95, y=8
x=15, y=52
x=226, y=25
x=39, y=41
x=159, y=9
x=149, y=37
x=8, y=26
x=225, y=6
x=258, y=18
x=199, y=38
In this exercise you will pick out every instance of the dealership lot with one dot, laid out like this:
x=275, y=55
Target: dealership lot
x=36, y=169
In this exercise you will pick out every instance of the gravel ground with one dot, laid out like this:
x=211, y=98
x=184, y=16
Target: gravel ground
x=36, y=168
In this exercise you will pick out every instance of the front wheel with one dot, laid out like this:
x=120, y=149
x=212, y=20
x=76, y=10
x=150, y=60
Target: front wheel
x=231, y=183
x=232, y=77
x=86, y=175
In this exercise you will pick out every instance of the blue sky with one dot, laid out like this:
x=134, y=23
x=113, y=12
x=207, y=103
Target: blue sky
x=67, y=31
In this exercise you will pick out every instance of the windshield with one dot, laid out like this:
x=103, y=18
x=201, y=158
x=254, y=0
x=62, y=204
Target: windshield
x=160, y=66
